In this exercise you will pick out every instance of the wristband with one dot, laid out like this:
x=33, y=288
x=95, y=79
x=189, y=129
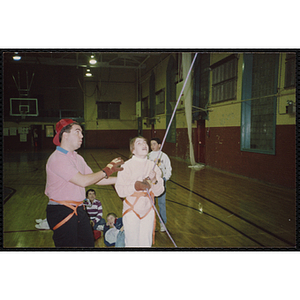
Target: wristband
x=105, y=174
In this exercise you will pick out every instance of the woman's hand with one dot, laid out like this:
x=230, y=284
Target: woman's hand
x=152, y=176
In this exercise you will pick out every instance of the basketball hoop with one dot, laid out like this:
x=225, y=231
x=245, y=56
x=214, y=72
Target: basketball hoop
x=23, y=114
x=23, y=109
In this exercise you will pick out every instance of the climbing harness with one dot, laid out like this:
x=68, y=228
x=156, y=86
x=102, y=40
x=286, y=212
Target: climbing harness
x=162, y=144
x=72, y=205
x=138, y=195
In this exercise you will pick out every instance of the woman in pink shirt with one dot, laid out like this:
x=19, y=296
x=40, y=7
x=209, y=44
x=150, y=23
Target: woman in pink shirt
x=132, y=184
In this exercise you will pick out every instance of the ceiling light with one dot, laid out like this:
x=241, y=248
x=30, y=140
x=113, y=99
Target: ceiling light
x=16, y=56
x=88, y=74
x=93, y=60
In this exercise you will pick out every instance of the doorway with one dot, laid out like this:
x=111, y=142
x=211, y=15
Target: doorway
x=36, y=136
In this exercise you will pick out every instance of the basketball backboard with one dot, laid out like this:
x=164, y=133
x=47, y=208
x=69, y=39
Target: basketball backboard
x=24, y=106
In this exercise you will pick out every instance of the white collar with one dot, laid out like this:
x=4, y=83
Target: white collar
x=140, y=159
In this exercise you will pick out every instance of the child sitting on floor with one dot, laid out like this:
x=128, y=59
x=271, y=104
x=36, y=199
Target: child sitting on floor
x=114, y=231
x=94, y=210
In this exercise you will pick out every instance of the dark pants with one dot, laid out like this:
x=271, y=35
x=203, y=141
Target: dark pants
x=77, y=232
x=101, y=222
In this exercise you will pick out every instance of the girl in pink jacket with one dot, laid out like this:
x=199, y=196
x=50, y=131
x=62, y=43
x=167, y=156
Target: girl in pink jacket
x=132, y=184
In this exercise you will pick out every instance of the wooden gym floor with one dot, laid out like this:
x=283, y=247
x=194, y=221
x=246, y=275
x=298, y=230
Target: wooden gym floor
x=238, y=213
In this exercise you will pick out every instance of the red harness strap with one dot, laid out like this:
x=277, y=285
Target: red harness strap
x=138, y=195
x=71, y=204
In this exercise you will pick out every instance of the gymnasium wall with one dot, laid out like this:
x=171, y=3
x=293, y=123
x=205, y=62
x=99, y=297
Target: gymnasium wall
x=223, y=149
x=15, y=142
x=223, y=133
x=223, y=152
x=111, y=88
x=109, y=139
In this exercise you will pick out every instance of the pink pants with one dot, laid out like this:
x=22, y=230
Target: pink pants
x=138, y=232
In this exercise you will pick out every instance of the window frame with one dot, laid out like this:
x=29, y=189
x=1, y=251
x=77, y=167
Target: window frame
x=160, y=102
x=145, y=109
x=112, y=106
x=218, y=84
x=290, y=60
x=246, y=108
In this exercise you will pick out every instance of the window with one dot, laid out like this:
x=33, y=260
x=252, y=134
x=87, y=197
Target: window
x=259, y=113
x=171, y=99
x=201, y=86
x=152, y=98
x=145, y=113
x=290, y=70
x=160, y=102
x=179, y=75
x=49, y=131
x=224, y=79
x=108, y=110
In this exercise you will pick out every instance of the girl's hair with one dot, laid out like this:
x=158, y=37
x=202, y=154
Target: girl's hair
x=132, y=141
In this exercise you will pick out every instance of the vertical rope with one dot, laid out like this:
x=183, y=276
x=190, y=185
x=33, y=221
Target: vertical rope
x=175, y=108
x=163, y=142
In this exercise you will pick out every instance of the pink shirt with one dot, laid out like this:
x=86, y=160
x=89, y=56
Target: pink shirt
x=62, y=166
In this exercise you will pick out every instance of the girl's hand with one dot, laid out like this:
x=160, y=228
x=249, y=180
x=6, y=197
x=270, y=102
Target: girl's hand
x=141, y=185
x=152, y=176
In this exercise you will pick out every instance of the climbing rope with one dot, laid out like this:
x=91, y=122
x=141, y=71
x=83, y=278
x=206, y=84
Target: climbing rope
x=163, y=142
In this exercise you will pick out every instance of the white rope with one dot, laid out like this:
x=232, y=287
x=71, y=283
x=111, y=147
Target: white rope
x=175, y=108
x=163, y=142
x=188, y=106
x=160, y=220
